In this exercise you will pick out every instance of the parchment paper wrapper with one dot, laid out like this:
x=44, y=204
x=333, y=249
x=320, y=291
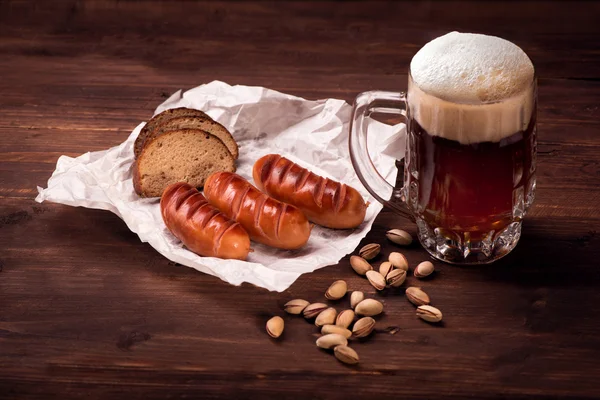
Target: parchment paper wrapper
x=313, y=134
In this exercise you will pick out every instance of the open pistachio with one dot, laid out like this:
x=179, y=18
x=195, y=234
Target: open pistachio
x=337, y=290
x=396, y=278
x=363, y=327
x=385, y=268
x=326, y=317
x=369, y=308
x=327, y=329
x=376, y=280
x=424, y=269
x=331, y=340
x=360, y=265
x=275, y=327
x=314, y=309
x=429, y=313
x=345, y=318
x=295, y=306
x=369, y=251
x=417, y=296
x=399, y=236
x=356, y=297
x=398, y=260
x=345, y=354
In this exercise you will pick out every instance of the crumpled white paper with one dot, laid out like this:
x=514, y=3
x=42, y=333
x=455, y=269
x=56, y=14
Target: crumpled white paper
x=313, y=134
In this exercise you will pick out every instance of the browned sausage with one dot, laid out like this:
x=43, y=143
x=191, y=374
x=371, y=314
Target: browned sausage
x=267, y=220
x=202, y=228
x=323, y=201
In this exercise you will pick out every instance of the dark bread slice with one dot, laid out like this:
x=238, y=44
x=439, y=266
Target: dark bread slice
x=206, y=124
x=185, y=155
x=159, y=119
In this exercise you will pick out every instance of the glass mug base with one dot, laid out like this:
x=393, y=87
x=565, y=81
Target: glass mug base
x=463, y=251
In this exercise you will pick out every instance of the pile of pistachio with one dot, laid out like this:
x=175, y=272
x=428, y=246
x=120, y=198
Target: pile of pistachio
x=338, y=328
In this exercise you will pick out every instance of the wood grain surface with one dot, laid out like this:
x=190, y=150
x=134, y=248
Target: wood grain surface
x=87, y=310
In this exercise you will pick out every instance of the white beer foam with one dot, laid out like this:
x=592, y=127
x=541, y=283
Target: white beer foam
x=471, y=88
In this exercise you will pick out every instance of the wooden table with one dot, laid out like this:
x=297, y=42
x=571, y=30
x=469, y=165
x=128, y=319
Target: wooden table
x=86, y=309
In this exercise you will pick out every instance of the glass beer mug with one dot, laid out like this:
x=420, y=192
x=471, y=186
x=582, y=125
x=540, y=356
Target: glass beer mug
x=470, y=159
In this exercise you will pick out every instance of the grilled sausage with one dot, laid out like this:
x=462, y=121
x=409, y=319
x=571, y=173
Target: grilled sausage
x=202, y=228
x=267, y=220
x=323, y=201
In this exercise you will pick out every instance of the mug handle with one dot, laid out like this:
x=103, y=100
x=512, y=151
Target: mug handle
x=368, y=103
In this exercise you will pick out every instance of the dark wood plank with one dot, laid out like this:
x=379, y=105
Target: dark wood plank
x=86, y=309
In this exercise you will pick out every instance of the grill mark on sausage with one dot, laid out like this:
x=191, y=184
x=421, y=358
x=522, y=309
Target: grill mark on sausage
x=207, y=220
x=300, y=183
x=284, y=172
x=198, y=203
x=279, y=218
x=268, y=168
x=236, y=213
x=217, y=242
x=260, y=205
x=340, y=196
x=319, y=190
x=183, y=197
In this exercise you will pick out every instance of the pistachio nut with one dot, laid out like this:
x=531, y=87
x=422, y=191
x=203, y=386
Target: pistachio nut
x=376, y=280
x=345, y=318
x=337, y=290
x=345, y=354
x=275, y=327
x=327, y=329
x=369, y=251
x=398, y=260
x=331, y=340
x=424, y=269
x=396, y=278
x=295, y=306
x=429, y=313
x=363, y=327
x=385, y=268
x=356, y=297
x=399, y=236
x=369, y=308
x=360, y=265
x=417, y=296
x=326, y=317
x=314, y=309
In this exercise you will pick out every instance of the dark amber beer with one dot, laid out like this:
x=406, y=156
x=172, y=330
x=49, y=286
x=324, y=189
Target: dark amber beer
x=470, y=157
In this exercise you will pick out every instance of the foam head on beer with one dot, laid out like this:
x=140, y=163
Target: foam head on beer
x=471, y=88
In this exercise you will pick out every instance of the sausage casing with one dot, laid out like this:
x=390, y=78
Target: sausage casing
x=325, y=202
x=202, y=228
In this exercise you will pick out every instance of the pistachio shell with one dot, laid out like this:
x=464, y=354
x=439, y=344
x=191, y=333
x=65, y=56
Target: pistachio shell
x=429, y=313
x=346, y=355
x=337, y=290
x=385, y=268
x=314, y=309
x=326, y=317
x=369, y=251
x=345, y=318
x=376, y=280
x=398, y=260
x=399, y=236
x=356, y=297
x=360, y=265
x=295, y=306
x=275, y=327
x=369, y=308
x=396, y=278
x=417, y=296
x=363, y=327
x=331, y=340
x=327, y=329
x=424, y=269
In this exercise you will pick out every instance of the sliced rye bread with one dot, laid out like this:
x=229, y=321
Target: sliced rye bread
x=206, y=124
x=185, y=155
x=159, y=119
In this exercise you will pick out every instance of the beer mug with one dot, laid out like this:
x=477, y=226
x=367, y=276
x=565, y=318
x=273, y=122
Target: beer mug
x=470, y=159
